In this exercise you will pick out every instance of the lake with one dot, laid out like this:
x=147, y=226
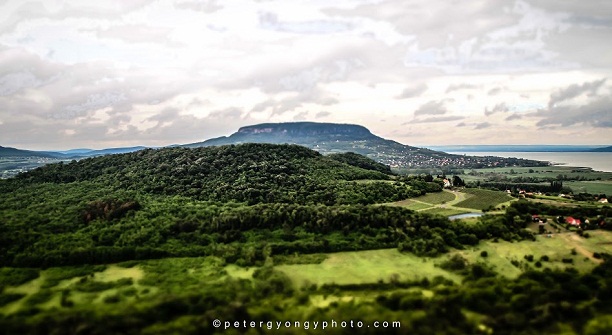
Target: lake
x=599, y=161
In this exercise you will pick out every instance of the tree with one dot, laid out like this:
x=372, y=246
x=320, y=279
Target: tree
x=458, y=182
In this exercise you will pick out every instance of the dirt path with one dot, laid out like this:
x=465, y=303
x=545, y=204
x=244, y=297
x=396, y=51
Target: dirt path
x=575, y=242
x=459, y=197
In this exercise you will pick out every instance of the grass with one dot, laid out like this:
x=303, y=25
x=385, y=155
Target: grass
x=430, y=203
x=411, y=204
x=436, y=198
x=361, y=267
x=483, y=199
x=593, y=187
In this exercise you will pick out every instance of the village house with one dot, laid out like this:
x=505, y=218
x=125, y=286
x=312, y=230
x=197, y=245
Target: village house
x=572, y=222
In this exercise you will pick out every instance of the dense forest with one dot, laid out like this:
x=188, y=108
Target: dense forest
x=251, y=173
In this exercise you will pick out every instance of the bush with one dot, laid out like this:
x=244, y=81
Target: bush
x=544, y=258
x=17, y=276
x=529, y=258
x=568, y=260
x=7, y=298
x=538, y=264
x=484, y=253
x=455, y=263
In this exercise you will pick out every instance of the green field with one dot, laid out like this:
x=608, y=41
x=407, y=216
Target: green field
x=595, y=182
x=482, y=199
x=365, y=267
x=436, y=198
x=593, y=187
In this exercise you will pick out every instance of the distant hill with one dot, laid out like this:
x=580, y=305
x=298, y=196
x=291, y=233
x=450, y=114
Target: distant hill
x=101, y=152
x=330, y=138
x=604, y=149
x=13, y=152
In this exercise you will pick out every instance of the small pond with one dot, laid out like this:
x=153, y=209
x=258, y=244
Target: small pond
x=465, y=216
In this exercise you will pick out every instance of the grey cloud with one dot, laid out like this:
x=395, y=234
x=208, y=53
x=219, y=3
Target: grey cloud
x=227, y=113
x=461, y=124
x=323, y=114
x=13, y=82
x=596, y=113
x=430, y=22
x=482, y=125
x=575, y=90
x=93, y=102
x=494, y=91
x=499, y=108
x=458, y=87
x=514, y=116
x=431, y=108
x=413, y=91
x=301, y=116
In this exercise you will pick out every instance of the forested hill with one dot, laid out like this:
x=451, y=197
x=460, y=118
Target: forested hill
x=252, y=173
x=337, y=138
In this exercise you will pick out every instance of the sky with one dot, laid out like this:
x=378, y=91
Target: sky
x=114, y=73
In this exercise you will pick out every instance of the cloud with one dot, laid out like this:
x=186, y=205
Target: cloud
x=431, y=108
x=494, y=91
x=412, y=91
x=499, y=108
x=206, y=6
x=574, y=91
x=138, y=34
x=514, y=116
x=459, y=87
x=323, y=114
x=436, y=119
x=482, y=125
x=269, y=20
x=597, y=113
x=301, y=116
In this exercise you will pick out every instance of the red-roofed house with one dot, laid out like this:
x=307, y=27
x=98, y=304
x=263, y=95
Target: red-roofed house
x=571, y=221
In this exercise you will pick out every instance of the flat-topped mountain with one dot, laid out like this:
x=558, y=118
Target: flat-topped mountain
x=335, y=138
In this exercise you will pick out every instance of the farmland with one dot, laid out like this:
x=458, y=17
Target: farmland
x=576, y=178
x=448, y=203
x=482, y=199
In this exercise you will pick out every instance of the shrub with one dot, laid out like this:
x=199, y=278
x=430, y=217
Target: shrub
x=455, y=263
x=529, y=258
x=484, y=253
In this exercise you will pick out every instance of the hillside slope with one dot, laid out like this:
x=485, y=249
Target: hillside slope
x=252, y=173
